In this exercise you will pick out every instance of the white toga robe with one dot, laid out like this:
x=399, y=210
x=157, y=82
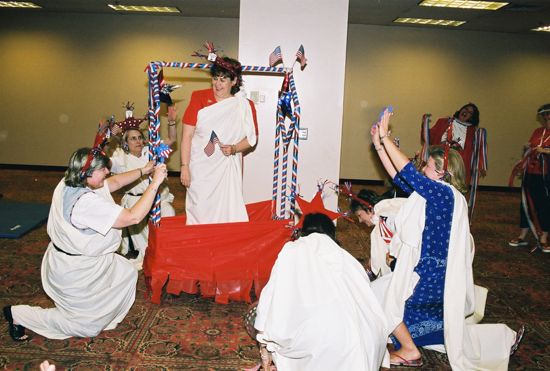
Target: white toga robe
x=215, y=194
x=92, y=292
x=317, y=312
x=139, y=233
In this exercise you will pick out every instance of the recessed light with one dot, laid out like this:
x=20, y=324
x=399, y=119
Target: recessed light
x=18, y=4
x=542, y=28
x=465, y=4
x=432, y=22
x=144, y=9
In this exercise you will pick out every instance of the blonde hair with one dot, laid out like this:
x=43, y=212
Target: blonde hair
x=455, y=174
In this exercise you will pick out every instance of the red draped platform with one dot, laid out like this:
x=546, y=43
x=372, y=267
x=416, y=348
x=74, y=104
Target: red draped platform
x=223, y=261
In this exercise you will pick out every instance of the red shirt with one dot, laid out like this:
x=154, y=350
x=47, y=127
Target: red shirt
x=540, y=137
x=204, y=98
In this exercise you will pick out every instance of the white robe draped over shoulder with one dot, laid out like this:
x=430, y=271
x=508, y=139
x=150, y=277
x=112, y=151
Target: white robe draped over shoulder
x=317, y=312
x=216, y=192
x=94, y=289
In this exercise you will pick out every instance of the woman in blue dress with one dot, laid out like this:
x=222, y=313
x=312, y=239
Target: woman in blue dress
x=422, y=319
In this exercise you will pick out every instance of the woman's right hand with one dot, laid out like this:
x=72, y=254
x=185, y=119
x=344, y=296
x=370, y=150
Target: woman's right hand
x=185, y=176
x=375, y=135
x=160, y=173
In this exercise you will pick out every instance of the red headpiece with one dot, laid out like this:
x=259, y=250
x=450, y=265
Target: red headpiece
x=316, y=205
x=101, y=138
x=217, y=60
x=130, y=122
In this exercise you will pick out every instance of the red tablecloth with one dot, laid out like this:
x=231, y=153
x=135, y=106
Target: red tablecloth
x=218, y=260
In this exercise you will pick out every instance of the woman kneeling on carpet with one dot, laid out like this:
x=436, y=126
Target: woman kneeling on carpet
x=317, y=312
x=431, y=290
x=92, y=287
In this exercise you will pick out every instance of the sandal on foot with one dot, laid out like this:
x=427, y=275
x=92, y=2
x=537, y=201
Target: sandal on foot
x=519, y=337
x=517, y=242
x=545, y=247
x=406, y=362
x=17, y=332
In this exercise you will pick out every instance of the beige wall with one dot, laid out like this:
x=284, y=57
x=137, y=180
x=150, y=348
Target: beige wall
x=60, y=74
x=424, y=70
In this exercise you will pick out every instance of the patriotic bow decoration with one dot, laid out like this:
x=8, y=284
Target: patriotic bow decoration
x=285, y=98
x=101, y=138
x=162, y=152
x=211, y=145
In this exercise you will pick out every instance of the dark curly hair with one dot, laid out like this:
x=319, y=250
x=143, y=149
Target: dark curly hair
x=235, y=72
x=475, y=116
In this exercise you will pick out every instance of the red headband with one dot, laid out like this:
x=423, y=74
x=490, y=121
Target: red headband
x=103, y=134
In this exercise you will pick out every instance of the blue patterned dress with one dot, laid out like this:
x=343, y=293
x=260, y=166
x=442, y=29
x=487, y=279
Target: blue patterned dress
x=424, y=308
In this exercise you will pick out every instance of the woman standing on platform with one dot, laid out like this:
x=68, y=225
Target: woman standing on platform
x=132, y=154
x=93, y=288
x=219, y=125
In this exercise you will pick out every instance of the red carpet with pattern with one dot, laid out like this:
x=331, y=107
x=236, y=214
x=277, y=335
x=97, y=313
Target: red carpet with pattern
x=192, y=333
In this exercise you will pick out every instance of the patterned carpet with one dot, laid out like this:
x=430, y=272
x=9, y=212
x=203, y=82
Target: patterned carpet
x=191, y=333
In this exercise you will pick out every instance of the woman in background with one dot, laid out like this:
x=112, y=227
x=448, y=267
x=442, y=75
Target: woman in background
x=536, y=183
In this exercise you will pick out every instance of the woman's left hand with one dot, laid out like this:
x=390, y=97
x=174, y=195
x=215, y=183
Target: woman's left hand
x=148, y=169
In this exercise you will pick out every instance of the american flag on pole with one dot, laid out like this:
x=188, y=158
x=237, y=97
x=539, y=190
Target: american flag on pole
x=385, y=232
x=275, y=57
x=301, y=56
x=211, y=145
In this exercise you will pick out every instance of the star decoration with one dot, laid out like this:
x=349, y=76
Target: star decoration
x=316, y=205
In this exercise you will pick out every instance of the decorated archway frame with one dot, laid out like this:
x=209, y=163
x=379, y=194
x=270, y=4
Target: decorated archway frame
x=156, y=151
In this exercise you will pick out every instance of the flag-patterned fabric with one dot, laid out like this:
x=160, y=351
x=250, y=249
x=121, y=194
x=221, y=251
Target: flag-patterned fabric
x=211, y=145
x=385, y=232
x=275, y=57
x=301, y=55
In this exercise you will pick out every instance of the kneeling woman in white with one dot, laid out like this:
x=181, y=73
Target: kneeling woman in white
x=317, y=312
x=92, y=287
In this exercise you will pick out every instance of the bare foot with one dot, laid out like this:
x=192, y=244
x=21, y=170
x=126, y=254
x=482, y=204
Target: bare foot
x=404, y=354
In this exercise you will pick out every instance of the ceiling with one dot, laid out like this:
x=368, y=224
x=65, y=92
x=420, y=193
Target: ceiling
x=520, y=16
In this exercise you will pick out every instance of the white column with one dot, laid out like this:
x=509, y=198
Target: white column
x=321, y=26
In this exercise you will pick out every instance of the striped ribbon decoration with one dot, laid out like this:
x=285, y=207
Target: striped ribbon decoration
x=425, y=134
x=153, y=72
x=282, y=136
x=478, y=165
x=206, y=66
x=295, y=129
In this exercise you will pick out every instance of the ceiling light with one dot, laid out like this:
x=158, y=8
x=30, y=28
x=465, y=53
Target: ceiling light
x=464, y=4
x=432, y=22
x=18, y=4
x=542, y=28
x=148, y=9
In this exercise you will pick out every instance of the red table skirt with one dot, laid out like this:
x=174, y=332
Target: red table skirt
x=223, y=261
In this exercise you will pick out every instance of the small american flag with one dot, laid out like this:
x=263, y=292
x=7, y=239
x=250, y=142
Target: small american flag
x=385, y=232
x=211, y=145
x=275, y=57
x=301, y=56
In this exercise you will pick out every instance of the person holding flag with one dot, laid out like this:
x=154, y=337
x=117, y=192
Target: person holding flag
x=218, y=126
